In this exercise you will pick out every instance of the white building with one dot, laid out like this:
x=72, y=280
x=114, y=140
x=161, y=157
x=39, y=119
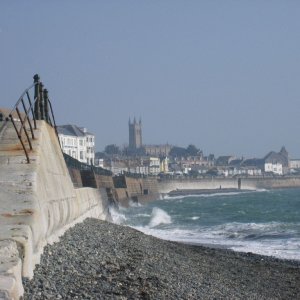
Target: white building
x=77, y=142
x=274, y=167
x=294, y=164
x=154, y=165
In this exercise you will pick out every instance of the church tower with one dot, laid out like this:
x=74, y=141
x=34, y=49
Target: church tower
x=135, y=134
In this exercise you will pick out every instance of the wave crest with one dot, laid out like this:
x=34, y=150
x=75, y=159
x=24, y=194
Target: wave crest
x=159, y=216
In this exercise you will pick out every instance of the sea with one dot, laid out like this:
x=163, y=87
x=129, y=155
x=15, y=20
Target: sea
x=265, y=222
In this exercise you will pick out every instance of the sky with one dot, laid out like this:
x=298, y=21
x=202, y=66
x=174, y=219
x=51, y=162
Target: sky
x=222, y=75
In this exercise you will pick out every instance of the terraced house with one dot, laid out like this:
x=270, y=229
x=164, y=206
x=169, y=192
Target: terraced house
x=77, y=142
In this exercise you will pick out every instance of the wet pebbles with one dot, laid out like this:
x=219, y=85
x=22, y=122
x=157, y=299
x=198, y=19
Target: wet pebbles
x=100, y=260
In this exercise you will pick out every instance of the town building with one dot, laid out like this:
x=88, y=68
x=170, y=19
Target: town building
x=77, y=142
x=154, y=165
x=277, y=163
x=273, y=163
x=136, y=165
x=274, y=167
x=224, y=160
x=294, y=163
x=135, y=134
x=164, y=165
x=158, y=150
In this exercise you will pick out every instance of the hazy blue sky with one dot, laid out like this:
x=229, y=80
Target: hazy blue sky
x=223, y=75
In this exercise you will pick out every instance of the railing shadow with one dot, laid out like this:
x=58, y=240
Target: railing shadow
x=76, y=164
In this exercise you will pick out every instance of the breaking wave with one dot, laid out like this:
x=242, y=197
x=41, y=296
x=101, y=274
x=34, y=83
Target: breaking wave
x=158, y=217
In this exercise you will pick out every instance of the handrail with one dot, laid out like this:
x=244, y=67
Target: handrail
x=25, y=111
x=76, y=164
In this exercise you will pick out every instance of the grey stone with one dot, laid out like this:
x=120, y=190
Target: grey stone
x=100, y=260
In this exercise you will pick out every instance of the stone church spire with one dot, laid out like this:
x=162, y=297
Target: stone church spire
x=135, y=134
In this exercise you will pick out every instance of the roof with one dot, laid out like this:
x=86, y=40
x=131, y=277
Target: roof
x=71, y=130
x=223, y=160
x=235, y=162
x=253, y=162
x=273, y=157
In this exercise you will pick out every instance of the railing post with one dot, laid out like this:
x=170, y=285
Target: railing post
x=42, y=113
x=46, y=107
x=36, y=78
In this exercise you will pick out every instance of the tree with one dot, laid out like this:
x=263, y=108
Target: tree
x=193, y=173
x=112, y=149
x=212, y=172
x=192, y=150
x=177, y=152
x=100, y=155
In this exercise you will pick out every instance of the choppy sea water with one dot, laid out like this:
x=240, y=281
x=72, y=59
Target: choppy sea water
x=263, y=222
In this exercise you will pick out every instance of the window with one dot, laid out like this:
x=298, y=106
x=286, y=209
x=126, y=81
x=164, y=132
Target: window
x=81, y=154
x=81, y=142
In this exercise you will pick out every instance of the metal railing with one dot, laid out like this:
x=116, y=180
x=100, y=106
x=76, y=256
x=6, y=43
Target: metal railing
x=76, y=164
x=28, y=109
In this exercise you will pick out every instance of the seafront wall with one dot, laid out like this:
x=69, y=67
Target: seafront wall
x=38, y=203
x=252, y=183
x=166, y=186
x=123, y=189
x=271, y=182
x=135, y=189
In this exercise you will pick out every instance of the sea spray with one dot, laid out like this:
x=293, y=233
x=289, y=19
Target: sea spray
x=159, y=216
x=116, y=215
x=134, y=204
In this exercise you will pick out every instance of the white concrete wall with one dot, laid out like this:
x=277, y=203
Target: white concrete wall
x=250, y=183
x=212, y=183
x=37, y=204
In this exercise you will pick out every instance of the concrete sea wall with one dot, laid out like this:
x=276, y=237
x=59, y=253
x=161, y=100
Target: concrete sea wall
x=38, y=202
x=251, y=183
x=166, y=186
x=123, y=189
x=140, y=190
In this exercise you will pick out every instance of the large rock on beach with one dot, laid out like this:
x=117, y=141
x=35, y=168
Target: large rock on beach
x=100, y=260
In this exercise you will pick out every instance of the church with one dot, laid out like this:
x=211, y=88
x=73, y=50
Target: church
x=136, y=145
x=135, y=134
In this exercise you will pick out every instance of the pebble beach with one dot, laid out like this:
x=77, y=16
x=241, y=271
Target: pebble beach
x=100, y=260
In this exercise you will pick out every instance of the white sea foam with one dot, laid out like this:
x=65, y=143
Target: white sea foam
x=167, y=197
x=262, y=190
x=195, y=218
x=143, y=215
x=134, y=204
x=236, y=236
x=117, y=216
x=279, y=248
x=159, y=216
